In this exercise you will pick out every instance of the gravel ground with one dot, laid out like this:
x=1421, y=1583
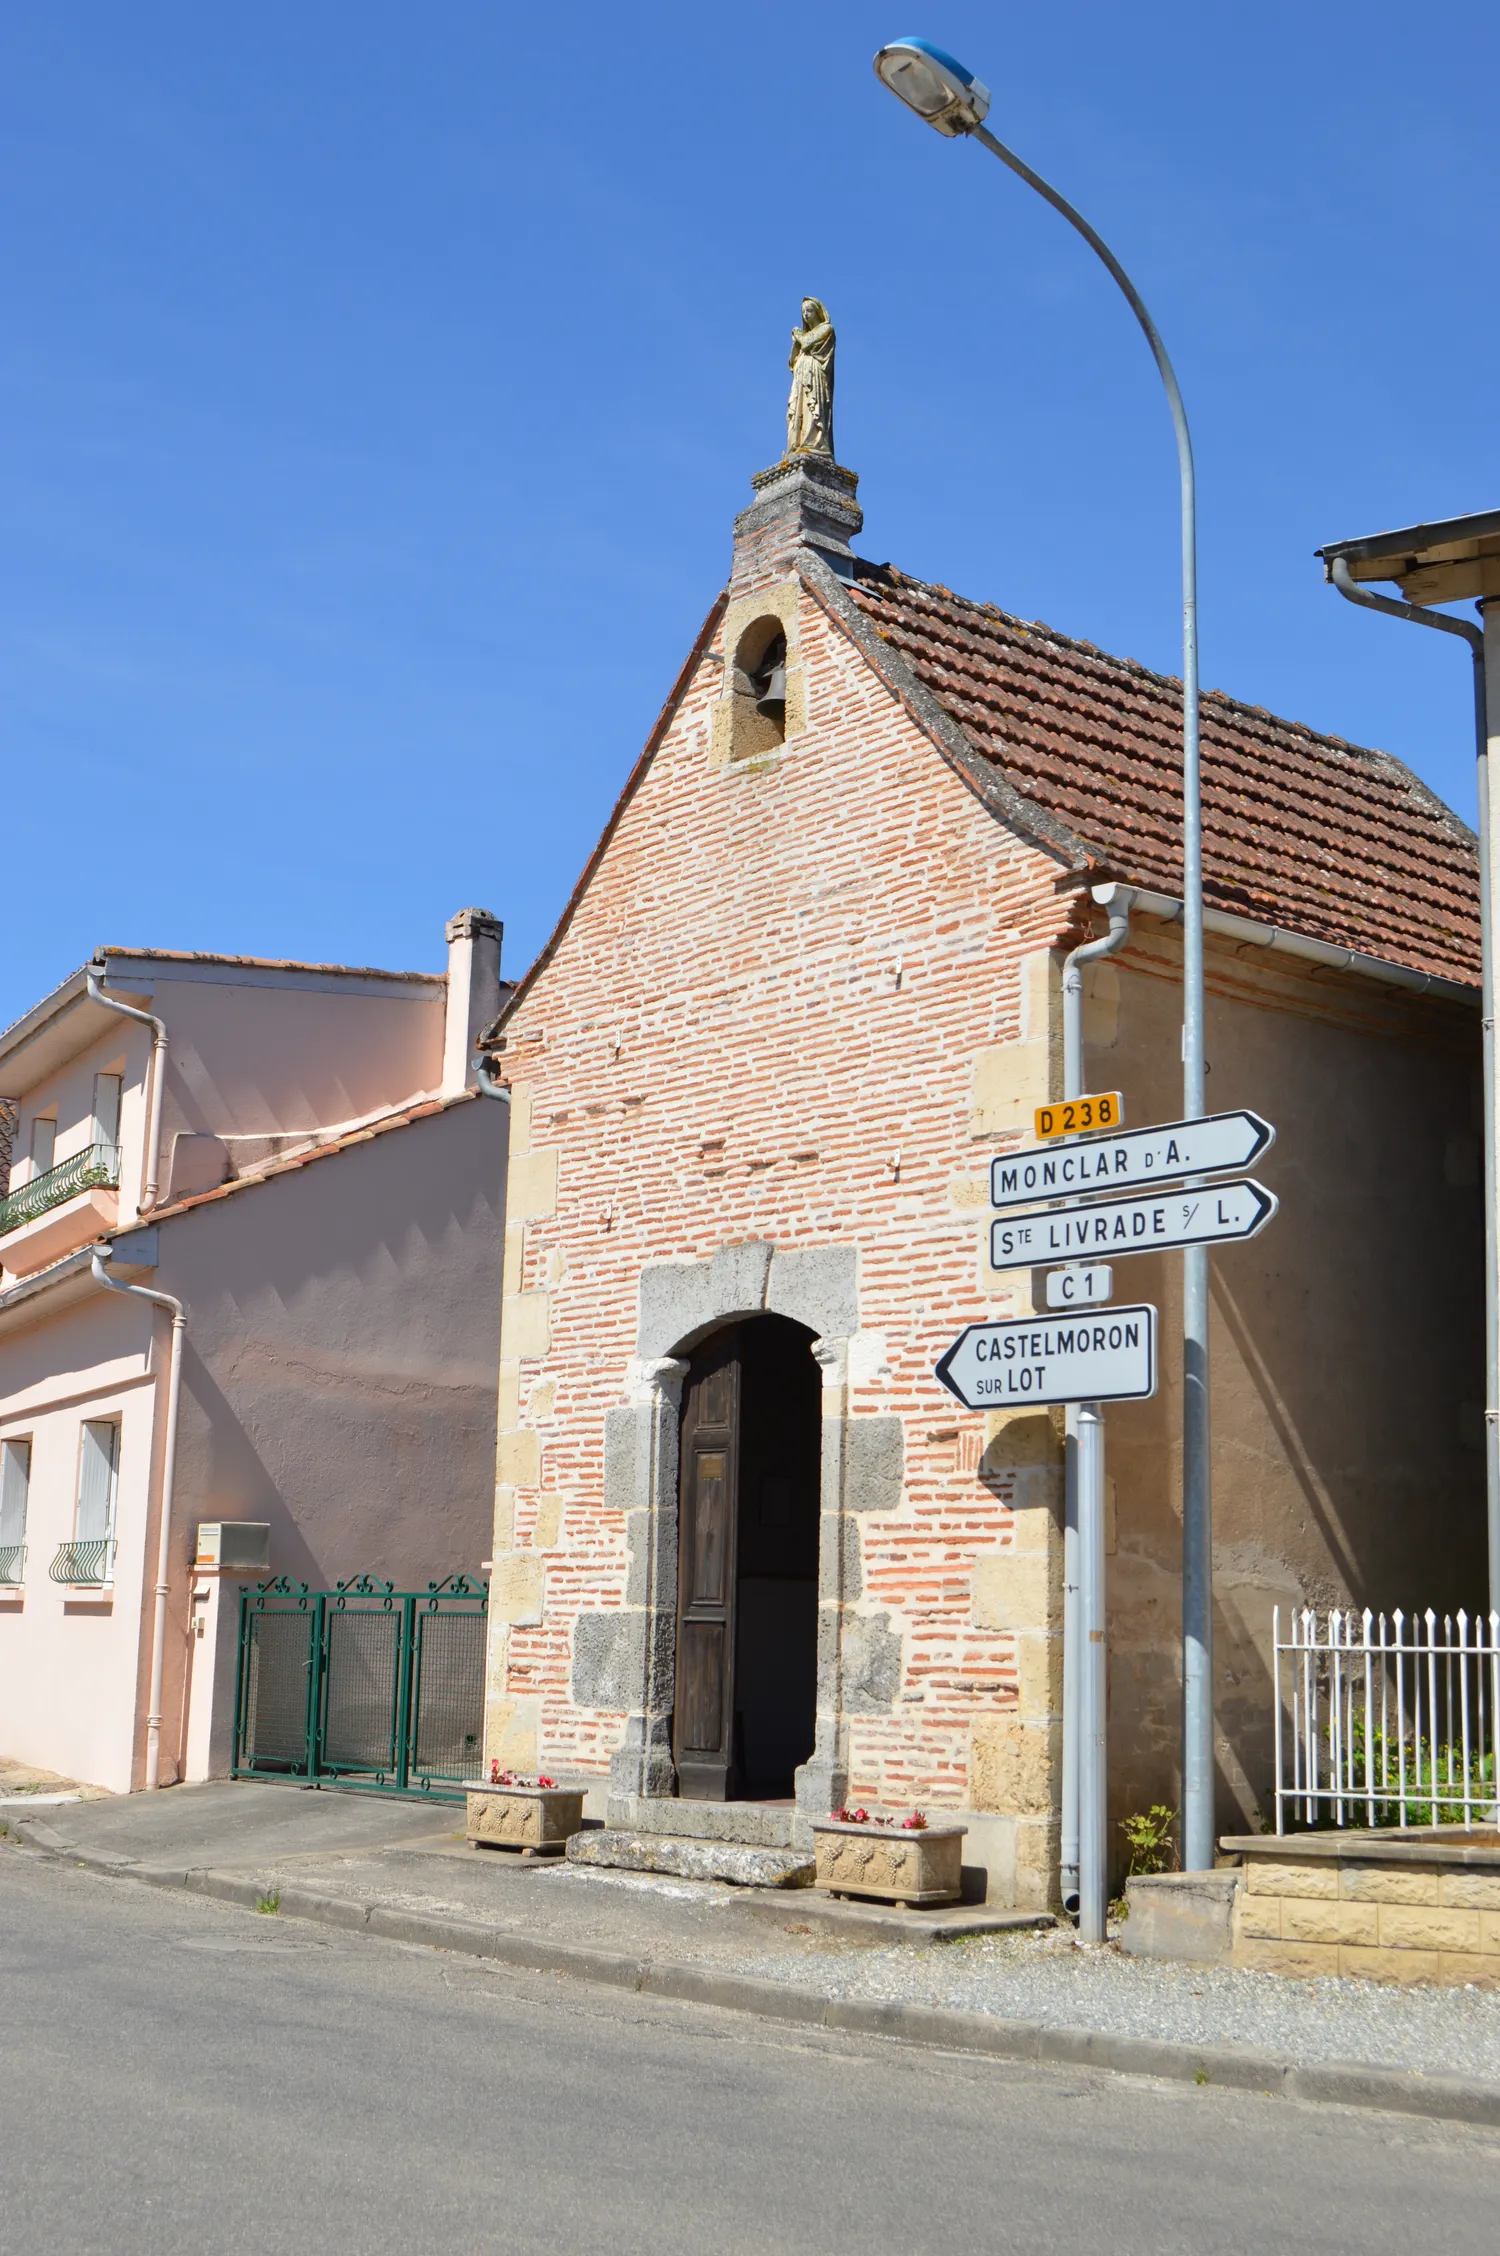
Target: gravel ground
x=1048, y=1978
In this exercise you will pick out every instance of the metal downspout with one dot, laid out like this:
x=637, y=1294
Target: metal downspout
x=1419, y=616
x=168, y=1486
x=484, y=1075
x=149, y=1188
x=1118, y=909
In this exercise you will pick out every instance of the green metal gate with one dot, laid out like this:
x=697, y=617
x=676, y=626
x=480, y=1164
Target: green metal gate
x=365, y=1684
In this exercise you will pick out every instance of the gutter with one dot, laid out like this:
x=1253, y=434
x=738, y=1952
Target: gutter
x=1252, y=935
x=168, y=1485
x=95, y=972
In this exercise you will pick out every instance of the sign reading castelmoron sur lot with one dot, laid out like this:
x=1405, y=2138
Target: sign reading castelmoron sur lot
x=1150, y=1224
x=1215, y=1146
x=1108, y=1357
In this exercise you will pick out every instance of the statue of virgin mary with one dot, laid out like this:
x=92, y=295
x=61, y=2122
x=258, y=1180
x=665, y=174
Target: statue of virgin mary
x=809, y=411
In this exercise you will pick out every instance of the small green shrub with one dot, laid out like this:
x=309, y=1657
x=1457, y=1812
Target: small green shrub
x=1151, y=1840
x=269, y=1903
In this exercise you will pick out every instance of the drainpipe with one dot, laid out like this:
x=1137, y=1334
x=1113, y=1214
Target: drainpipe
x=148, y=1197
x=1419, y=616
x=1083, y=1515
x=168, y=1482
x=484, y=1075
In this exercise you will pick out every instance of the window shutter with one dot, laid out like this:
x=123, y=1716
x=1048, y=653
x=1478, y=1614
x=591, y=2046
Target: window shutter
x=15, y=1488
x=107, y=1109
x=97, y=1465
x=43, y=1145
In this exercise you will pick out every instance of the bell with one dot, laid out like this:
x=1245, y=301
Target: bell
x=771, y=701
x=768, y=681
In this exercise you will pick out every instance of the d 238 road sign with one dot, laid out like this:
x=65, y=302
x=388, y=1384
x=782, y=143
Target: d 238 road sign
x=1108, y=1357
x=1080, y=1116
x=1215, y=1146
x=1150, y=1224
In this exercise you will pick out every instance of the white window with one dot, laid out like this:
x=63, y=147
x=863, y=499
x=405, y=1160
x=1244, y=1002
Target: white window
x=98, y=1475
x=15, y=1490
x=43, y=1145
x=107, y=1109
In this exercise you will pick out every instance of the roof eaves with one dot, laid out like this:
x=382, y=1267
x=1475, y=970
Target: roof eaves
x=973, y=766
x=267, y=963
x=21, y=1030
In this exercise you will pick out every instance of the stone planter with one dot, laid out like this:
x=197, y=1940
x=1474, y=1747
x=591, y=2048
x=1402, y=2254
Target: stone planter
x=887, y=1863
x=537, y=1820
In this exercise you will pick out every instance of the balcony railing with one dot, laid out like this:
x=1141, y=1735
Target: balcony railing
x=12, y=1565
x=96, y=1167
x=87, y=1563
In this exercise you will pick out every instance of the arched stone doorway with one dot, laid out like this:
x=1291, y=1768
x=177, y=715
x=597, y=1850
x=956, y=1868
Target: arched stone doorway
x=747, y=1559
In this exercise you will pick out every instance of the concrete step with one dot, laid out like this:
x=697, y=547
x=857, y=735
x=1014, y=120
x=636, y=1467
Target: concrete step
x=747, y=1864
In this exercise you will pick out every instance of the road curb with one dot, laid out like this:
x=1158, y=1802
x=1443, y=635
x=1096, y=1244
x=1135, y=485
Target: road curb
x=1400, y=2091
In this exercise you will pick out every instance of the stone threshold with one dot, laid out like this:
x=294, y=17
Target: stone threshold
x=760, y=1825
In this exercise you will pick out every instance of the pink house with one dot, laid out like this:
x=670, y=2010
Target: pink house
x=298, y=1156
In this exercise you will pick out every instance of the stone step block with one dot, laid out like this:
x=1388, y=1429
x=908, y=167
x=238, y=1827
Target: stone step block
x=746, y=1864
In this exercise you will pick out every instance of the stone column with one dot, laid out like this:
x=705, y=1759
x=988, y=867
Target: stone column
x=823, y=1780
x=640, y=1476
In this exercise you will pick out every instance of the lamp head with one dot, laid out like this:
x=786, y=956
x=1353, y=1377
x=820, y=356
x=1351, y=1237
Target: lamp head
x=939, y=89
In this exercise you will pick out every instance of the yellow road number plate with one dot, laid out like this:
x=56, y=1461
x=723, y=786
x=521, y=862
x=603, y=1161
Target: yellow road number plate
x=1080, y=1114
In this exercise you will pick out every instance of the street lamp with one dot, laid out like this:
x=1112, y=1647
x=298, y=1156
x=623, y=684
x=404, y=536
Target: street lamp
x=1449, y=562
x=949, y=98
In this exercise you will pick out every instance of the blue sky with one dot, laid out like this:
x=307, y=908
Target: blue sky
x=379, y=385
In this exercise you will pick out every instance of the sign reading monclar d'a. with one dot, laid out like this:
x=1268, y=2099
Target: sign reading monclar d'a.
x=1108, y=1355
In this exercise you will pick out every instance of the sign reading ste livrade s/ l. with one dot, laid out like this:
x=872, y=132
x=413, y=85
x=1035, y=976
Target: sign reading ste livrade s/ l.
x=1154, y=1222
x=1105, y=1357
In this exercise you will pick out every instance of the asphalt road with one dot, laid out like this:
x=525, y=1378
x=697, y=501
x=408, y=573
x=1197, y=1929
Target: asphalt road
x=178, y=2074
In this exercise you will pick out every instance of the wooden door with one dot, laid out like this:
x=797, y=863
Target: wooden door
x=707, y=1571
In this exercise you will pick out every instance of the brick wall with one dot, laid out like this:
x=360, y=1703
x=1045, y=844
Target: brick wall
x=802, y=999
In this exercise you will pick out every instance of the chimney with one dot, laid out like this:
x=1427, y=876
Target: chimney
x=474, y=938
x=804, y=501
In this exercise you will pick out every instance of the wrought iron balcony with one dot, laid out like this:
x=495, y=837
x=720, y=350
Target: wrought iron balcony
x=96, y=1167
x=12, y=1565
x=87, y=1563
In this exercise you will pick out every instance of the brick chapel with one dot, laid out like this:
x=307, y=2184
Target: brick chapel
x=750, y=1559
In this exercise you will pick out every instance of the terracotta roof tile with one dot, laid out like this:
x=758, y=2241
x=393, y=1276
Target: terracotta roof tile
x=1303, y=831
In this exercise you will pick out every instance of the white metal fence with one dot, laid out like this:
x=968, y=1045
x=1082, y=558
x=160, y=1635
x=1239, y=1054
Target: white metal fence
x=1386, y=1719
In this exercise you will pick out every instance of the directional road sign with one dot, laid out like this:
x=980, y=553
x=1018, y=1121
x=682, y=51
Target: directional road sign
x=1215, y=1146
x=1079, y=1286
x=1109, y=1357
x=1150, y=1223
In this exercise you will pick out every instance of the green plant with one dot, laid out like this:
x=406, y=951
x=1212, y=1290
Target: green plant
x=1151, y=1840
x=1375, y=1766
x=269, y=1903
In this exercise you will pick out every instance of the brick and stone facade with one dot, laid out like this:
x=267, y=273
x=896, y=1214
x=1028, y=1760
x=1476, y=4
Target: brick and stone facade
x=806, y=988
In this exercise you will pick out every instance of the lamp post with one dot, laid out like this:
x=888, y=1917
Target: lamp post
x=954, y=102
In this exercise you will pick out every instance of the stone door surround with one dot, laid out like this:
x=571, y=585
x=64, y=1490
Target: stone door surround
x=626, y=1657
